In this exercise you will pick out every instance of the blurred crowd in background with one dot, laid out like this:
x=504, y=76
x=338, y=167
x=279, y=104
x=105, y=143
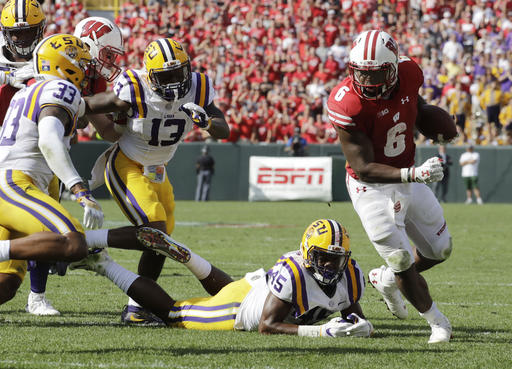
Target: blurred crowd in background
x=274, y=62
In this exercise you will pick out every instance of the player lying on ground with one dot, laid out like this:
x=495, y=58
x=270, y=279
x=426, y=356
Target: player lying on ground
x=302, y=288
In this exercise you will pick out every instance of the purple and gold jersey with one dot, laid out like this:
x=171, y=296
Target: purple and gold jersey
x=289, y=280
x=155, y=126
x=19, y=136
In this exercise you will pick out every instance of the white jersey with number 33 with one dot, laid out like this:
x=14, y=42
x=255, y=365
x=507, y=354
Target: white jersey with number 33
x=19, y=137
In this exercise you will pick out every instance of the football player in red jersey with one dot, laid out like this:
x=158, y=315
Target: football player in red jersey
x=105, y=42
x=374, y=111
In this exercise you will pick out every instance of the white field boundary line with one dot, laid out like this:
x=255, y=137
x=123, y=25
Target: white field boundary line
x=115, y=223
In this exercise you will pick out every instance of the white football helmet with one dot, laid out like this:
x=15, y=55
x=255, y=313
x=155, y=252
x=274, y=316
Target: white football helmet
x=105, y=44
x=373, y=64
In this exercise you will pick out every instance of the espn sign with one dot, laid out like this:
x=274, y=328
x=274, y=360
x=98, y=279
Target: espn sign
x=290, y=178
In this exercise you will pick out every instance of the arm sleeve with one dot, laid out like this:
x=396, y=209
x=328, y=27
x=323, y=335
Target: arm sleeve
x=55, y=151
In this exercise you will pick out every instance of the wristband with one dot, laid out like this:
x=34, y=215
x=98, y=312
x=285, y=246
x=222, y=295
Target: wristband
x=309, y=331
x=81, y=108
x=405, y=175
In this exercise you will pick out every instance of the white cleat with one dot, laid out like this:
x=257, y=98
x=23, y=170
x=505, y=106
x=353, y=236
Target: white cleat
x=95, y=262
x=390, y=293
x=37, y=304
x=441, y=330
x=162, y=243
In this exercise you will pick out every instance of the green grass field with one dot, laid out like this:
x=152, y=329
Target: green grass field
x=473, y=288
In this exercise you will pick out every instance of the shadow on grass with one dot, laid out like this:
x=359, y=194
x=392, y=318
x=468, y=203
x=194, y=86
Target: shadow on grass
x=198, y=351
x=460, y=334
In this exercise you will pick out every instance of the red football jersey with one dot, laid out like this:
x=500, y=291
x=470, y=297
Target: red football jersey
x=389, y=123
x=6, y=94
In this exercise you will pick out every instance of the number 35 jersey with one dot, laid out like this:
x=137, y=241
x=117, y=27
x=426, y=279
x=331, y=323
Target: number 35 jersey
x=290, y=281
x=388, y=123
x=19, y=137
x=156, y=126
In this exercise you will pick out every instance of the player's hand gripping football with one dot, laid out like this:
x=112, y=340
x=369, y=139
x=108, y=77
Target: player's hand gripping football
x=353, y=326
x=197, y=114
x=93, y=215
x=430, y=171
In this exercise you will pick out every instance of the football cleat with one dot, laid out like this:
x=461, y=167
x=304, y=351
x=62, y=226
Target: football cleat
x=96, y=261
x=163, y=244
x=441, y=330
x=390, y=293
x=37, y=304
x=135, y=315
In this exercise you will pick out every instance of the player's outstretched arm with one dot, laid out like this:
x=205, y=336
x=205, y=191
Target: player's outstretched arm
x=105, y=102
x=105, y=126
x=274, y=312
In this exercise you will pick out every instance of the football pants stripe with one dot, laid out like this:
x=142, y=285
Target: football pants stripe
x=203, y=314
x=52, y=218
x=122, y=194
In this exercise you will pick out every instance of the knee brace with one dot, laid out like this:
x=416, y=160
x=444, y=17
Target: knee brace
x=400, y=260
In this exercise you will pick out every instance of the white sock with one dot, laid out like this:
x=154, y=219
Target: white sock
x=121, y=277
x=96, y=238
x=431, y=314
x=132, y=302
x=199, y=266
x=5, y=249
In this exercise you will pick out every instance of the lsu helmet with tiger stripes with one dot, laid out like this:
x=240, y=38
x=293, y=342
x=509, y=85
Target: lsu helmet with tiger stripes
x=22, y=23
x=168, y=68
x=373, y=64
x=105, y=43
x=62, y=56
x=325, y=250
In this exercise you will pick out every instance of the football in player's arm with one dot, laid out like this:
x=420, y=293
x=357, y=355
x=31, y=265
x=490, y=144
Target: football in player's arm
x=374, y=111
x=303, y=288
